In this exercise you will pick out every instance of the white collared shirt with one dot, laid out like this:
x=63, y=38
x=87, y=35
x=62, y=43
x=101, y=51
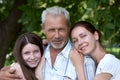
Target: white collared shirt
x=63, y=68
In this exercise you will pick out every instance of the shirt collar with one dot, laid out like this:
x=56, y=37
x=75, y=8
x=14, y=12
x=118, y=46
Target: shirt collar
x=64, y=52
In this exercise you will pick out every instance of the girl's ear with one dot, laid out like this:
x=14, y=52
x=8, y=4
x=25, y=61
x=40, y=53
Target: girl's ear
x=96, y=35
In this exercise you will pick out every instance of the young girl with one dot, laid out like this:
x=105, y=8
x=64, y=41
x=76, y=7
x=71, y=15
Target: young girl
x=86, y=40
x=28, y=51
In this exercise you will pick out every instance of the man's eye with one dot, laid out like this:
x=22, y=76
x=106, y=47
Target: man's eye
x=61, y=29
x=51, y=30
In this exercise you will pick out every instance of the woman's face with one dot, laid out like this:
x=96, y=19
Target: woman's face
x=31, y=55
x=83, y=40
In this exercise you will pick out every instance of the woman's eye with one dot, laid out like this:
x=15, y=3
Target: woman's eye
x=82, y=36
x=74, y=41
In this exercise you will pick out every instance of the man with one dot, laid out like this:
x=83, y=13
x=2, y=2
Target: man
x=58, y=66
x=55, y=25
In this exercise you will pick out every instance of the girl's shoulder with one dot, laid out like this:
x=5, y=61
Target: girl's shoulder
x=16, y=66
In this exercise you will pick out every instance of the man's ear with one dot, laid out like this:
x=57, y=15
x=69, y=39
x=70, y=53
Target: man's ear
x=42, y=25
x=43, y=28
x=96, y=35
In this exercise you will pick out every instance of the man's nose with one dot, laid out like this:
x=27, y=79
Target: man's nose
x=57, y=34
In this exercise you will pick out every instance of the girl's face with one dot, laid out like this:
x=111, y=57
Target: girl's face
x=83, y=40
x=31, y=55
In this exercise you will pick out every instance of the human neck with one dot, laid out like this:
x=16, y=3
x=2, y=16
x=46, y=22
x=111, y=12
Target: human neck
x=53, y=54
x=98, y=54
x=54, y=50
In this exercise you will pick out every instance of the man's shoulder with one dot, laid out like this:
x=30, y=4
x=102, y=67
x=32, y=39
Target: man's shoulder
x=70, y=72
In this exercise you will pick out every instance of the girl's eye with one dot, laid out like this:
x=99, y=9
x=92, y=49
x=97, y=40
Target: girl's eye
x=26, y=53
x=36, y=51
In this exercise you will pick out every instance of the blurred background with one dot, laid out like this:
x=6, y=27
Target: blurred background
x=20, y=16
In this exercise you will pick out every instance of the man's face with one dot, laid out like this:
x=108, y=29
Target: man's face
x=56, y=30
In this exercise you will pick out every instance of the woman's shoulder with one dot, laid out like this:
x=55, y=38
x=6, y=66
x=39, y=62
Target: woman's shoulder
x=110, y=59
x=109, y=64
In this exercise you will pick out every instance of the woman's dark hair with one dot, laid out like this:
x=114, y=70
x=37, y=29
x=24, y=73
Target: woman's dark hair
x=23, y=40
x=87, y=26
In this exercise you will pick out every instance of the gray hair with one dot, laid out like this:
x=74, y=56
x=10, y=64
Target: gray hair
x=55, y=11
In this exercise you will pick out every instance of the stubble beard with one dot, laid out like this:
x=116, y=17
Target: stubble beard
x=58, y=46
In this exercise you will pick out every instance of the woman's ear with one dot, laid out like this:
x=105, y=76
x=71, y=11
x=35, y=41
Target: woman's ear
x=96, y=35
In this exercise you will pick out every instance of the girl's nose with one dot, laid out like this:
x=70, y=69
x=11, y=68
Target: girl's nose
x=32, y=56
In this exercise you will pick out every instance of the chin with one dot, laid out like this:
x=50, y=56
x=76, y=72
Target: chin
x=33, y=66
x=85, y=53
x=58, y=46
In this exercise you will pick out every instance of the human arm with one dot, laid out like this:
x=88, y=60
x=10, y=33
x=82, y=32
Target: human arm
x=39, y=69
x=103, y=76
x=78, y=61
x=7, y=74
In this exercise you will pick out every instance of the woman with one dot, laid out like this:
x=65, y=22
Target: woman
x=28, y=51
x=86, y=40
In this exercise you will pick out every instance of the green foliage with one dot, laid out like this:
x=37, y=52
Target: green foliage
x=5, y=8
x=10, y=59
x=31, y=17
x=104, y=14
